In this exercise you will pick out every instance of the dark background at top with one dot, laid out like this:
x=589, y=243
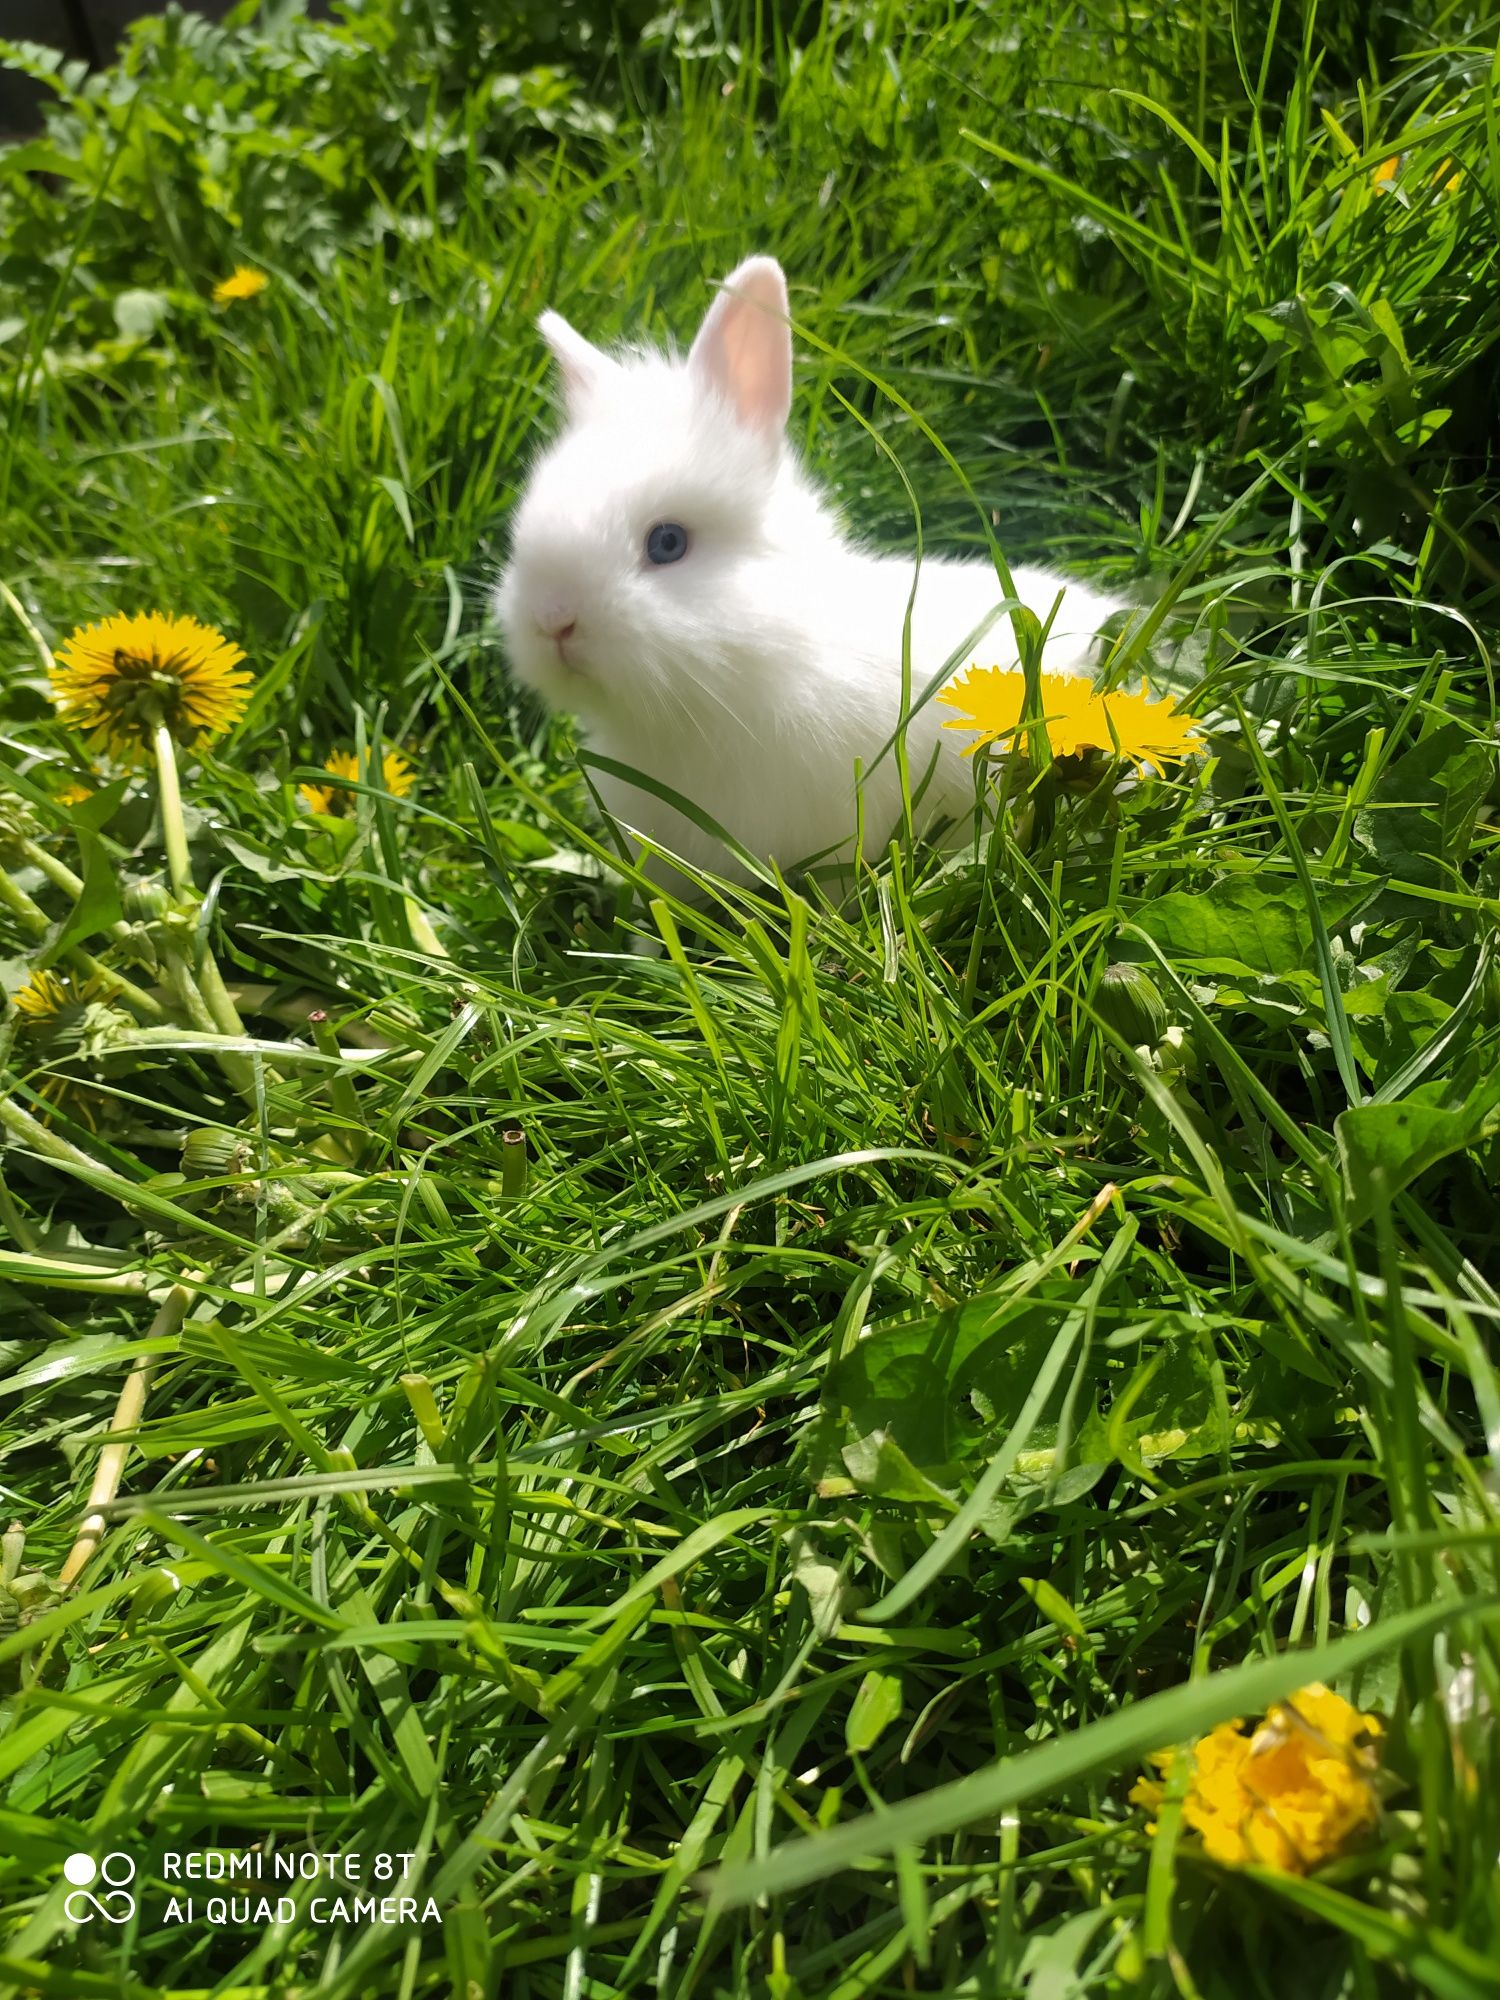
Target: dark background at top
x=89, y=29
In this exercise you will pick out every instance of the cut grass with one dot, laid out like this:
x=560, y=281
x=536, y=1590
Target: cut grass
x=718, y=1539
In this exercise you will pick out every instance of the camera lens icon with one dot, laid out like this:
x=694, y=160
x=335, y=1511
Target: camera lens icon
x=114, y=1905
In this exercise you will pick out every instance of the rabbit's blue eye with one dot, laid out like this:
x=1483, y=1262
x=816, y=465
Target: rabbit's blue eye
x=667, y=542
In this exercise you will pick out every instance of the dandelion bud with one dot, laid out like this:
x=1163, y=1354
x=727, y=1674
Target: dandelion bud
x=17, y=820
x=1176, y=1057
x=144, y=899
x=1129, y=1001
x=207, y=1153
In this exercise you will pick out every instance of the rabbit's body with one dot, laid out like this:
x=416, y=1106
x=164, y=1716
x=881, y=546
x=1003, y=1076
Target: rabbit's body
x=776, y=767
x=751, y=671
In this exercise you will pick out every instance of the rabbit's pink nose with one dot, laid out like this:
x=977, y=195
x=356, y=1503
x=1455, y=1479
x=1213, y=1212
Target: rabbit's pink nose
x=559, y=626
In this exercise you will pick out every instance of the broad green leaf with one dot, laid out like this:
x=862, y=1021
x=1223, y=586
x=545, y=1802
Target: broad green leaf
x=919, y=1383
x=98, y=905
x=821, y=1579
x=1239, y=925
x=1177, y=1414
x=1420, y=817
x=876, y=1705
x=259, y=858
x=93, y=814
x=1396, y=1142
x=878, y=1466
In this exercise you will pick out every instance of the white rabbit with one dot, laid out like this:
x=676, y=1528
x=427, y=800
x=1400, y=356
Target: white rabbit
x=677, y=583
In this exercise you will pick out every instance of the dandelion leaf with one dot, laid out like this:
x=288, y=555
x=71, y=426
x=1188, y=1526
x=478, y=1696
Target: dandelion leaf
x=1383, y=1147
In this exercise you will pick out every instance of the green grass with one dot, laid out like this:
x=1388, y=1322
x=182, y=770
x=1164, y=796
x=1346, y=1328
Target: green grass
x=750, y=1548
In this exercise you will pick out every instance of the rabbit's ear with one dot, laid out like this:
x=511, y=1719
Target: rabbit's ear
x=585, y=369
x=744, y=347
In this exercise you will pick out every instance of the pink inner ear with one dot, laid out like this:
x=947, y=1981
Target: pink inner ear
x=744, y=347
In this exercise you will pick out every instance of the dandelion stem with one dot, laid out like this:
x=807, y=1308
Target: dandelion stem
x=128, y=1412
x=214, y=1011
x=61, y=876
x=35, y=919
x=26, y=1267
x=512, y=1162
x=216, y=996
x=185, y=992
x=31, y=914
x=340, y=1089
x=31, y=1132
x=57, y=872
x=189, y=993
x=173, y=832
x=23, y=619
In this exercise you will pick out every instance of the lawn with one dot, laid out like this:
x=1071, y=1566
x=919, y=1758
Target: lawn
x=703, y=1445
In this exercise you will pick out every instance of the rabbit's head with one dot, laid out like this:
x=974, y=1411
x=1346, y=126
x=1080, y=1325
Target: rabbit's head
x=643, y=548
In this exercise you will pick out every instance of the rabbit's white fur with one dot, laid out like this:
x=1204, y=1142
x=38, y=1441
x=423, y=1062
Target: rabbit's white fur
x=750, y=675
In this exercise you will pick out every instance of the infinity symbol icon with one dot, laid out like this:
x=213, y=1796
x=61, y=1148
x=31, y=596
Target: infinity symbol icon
x=99, y=1906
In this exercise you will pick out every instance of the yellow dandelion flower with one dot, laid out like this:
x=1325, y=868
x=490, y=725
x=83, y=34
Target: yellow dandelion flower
x=1289, y=1795
x=1447, y=177
x=71, y=1023
x=396, y=774
x=54, y=1005
x=43, y=999
x=1149, y=728
x=1142, y=727
x=242, y=283
x=124, y=678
